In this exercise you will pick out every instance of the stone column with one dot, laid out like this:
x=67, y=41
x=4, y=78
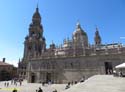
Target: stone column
x=29, y=76
x=38, y=77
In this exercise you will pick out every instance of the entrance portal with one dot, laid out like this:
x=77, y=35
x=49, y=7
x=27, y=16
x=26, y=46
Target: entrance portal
x=33, y=78
x=48, y=77
x=108, y=68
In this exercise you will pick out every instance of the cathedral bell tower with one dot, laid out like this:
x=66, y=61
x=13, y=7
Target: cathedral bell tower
x=35, y=44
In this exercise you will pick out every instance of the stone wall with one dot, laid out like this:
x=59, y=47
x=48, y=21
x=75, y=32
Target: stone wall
x=63, y=70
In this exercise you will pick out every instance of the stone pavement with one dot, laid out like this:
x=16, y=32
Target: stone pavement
x=31, y=87
x=97, y=83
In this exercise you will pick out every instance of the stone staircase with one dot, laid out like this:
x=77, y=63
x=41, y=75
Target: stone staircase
x=100, y=83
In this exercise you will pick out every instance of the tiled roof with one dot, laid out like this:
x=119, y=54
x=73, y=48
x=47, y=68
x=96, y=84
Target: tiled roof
x=3, y=63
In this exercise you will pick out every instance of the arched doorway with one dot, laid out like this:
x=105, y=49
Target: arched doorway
x=32, y=78
x=48, y=77
x=108, y=68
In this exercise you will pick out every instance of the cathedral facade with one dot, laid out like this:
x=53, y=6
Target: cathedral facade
x=71, y=61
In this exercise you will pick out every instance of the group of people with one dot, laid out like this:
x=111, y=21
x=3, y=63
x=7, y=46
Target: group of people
x=13, y=81
x=119, y=74
x=48, y=82
x=6, y=84
x=71, y=83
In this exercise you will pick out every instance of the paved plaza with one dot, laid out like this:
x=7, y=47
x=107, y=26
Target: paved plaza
x=98, y=83
x=24, y=88
x=31, y=87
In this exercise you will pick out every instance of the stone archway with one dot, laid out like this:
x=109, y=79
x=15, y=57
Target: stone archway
x=108, y=68
x=48, y=77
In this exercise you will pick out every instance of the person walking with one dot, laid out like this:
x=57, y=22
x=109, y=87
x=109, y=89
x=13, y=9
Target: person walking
x=5, y=84
x=20, y=82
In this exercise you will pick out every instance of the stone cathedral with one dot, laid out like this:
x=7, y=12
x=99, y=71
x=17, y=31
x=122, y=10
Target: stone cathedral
x=70, y=61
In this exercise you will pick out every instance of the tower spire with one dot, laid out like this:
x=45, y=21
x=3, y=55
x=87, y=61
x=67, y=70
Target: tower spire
x=78, y=24
x=97, y=28
x=37, y=7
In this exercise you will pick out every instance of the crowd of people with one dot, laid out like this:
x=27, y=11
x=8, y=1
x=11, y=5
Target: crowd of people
x=14, y=81
x=74, y=82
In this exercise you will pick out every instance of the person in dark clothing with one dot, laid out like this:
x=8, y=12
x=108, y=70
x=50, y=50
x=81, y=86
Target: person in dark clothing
x=20, y=82
x=15, y=90
x=43, y=83
x=7, y=84
x=68, y=85
x=75, y=82
x=40, y=90
x=83, y=79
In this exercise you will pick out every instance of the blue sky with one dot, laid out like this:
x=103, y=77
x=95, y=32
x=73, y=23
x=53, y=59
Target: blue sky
x=59, y=18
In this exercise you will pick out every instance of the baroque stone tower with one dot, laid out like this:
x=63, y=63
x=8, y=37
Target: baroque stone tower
x=35, y=44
